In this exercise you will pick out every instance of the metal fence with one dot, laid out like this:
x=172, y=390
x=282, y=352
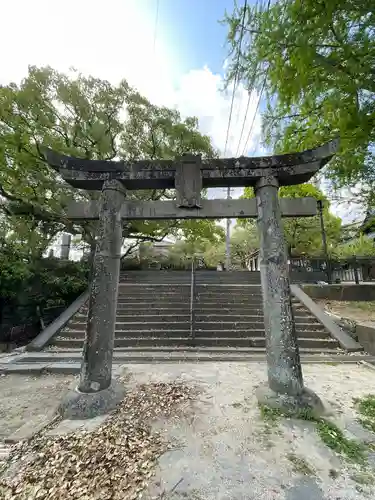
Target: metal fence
x=355, y=269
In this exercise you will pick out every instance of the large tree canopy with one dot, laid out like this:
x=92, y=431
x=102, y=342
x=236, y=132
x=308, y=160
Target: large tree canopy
x=91, y=118
x=315, y=60
x=303, y=235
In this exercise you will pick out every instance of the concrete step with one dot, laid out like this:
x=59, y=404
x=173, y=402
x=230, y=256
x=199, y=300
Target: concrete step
x=178, y=330
x=204, y=325
x=177, y=275
x=160, y=316
x=186, y=288
x=187, y=281
x=124, y=355
x=141, y=306
x=73, y=365
x=76, y=353
x=187, y=284
x=202, y=341
x=213, y=305
x=173, y=299
x=232, y=303
x=142, y=294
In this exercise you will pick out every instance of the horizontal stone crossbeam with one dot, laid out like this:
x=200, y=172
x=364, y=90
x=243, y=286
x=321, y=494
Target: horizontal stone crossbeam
x=210, y=209
x=289, y=169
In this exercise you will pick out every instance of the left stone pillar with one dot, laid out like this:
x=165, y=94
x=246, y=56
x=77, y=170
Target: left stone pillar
x=97, y=393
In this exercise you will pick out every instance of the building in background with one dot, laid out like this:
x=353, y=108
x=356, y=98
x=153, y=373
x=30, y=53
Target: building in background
x=368, y=225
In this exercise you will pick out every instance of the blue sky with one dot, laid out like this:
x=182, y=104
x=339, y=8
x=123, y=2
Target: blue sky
x=195, y=24
x=115, y=39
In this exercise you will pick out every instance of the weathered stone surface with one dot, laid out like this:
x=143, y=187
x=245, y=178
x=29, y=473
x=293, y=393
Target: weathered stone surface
x=293, y=168
x=96, y=370
x=65, y=246
x=293, y=403
x=58, y=324
x=188, y=182
x=336, y=332
x=80, y=405
x=283, y=360
x=210, y=209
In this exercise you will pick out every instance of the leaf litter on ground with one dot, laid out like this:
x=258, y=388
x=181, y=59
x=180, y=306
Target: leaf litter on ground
x=115, y=461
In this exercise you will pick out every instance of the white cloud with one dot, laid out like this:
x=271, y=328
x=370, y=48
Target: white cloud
x=200, y=93
x=115, y=40
x=343, y=202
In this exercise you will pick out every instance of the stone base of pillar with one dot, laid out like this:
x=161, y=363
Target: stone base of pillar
x=78, y=405
x=306, y=402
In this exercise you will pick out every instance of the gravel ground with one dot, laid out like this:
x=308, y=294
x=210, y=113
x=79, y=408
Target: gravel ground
x=221, y=448
x=23, y=398
x=225, y=451
x=363, y=312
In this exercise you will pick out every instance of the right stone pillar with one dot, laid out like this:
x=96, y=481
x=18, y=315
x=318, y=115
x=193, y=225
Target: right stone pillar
x=285, y=382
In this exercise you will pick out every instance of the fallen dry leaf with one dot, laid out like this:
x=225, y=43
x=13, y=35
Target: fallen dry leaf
x=113, y=462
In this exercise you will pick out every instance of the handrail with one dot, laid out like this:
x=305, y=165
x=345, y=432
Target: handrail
x=53, y=328
x=192, y=300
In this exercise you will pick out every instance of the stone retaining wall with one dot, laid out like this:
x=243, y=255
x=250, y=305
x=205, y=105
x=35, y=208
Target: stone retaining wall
x=345, y=292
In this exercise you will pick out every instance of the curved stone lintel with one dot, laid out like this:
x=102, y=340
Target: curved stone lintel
x=292, y=168
x=60, y=161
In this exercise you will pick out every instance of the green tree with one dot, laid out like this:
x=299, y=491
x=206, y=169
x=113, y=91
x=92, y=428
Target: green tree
x=315, y=61
x=205, y=245
x=303, y=235
x=89, y=118
x=360, y=247
x=244, y=241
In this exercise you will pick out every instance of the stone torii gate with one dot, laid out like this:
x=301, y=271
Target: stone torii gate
x=97, y=392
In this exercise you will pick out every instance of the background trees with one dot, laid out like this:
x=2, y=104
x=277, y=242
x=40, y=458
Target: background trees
x=89, y=118
x=303, y=234
x=315, y=61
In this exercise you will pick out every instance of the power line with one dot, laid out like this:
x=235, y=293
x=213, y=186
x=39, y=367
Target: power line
x=243, y=123
x=156, y=24
x=235, y=82
x=259, y=99
x=255, y=113
x=250, y=90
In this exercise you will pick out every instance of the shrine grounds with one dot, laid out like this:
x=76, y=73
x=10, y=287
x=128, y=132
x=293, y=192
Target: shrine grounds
x=191, y=431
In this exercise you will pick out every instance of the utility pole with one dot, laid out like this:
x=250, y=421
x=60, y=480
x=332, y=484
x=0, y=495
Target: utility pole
x=324, y=241
x=227, y=239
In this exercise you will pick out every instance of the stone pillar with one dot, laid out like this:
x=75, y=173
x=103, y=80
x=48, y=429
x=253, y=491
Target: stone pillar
x=65, y=246
x=285, y=383
x=96, y=392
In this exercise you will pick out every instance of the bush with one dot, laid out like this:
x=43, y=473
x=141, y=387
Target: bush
x=28, y=288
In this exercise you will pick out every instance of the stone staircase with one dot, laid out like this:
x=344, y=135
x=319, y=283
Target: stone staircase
x=153, y=313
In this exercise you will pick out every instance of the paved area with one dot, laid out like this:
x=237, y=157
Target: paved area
x=26, y=398
x=222, y=448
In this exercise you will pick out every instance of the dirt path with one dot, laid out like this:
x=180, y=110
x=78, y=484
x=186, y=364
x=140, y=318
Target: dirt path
x=223, y=448
x=23, y=398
